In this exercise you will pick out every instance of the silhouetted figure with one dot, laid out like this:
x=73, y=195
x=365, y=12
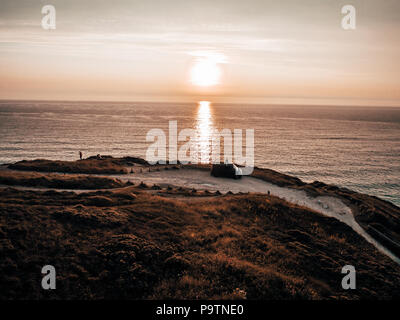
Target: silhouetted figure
x=80, y=155
x=269, y=192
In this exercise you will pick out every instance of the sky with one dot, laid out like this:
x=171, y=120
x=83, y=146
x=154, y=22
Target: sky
x=286, y=51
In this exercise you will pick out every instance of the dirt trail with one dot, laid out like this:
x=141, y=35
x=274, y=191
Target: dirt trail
x=202, y=180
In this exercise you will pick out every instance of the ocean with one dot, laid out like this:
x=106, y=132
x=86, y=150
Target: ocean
x=353, y=147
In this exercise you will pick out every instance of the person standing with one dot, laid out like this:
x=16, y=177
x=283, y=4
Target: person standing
x=80, y=155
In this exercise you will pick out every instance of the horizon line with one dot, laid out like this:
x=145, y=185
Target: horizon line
x=198, y=100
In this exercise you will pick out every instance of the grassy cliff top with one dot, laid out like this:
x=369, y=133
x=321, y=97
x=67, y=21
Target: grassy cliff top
x=137, y=242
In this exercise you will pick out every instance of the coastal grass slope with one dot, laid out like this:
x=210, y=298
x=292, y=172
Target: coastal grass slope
x=151, y=243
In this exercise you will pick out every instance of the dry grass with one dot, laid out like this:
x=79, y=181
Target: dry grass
x=34, y=179
x=104, y=166
x=132, y=244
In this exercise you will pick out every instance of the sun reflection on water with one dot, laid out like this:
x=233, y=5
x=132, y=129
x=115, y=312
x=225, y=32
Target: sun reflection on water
x=204, y=130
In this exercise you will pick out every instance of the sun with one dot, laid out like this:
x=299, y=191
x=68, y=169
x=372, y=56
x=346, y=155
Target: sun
x=205, y=73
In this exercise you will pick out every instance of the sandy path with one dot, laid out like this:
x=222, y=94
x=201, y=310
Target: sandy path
x=202, y=180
